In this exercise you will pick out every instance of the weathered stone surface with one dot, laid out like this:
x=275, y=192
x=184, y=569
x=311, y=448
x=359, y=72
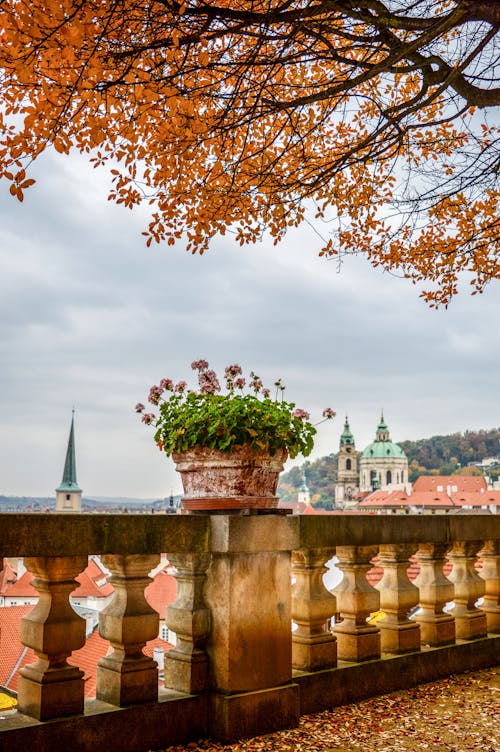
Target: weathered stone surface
x=238, y=716
x=127, y=676
x=470, y=621
x=51, y=687
x=84, y=534
x=248, y=587
x=242, y=478
x=356, y=600
x=490, y=573
x=186, y=665
x=250, y=637
x=436, y=627
x=397, y=597
x=313, y=645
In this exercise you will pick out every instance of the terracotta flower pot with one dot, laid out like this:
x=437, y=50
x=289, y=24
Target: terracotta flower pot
x=242, y=479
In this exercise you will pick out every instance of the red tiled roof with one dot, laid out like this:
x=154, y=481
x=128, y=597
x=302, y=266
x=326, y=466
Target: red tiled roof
x=470, y=499
x=314, y=510
x=431, y=499
x=87, y=587
x=386, y=499
x=13, y=654
x=21, y=588
x=462, y=483
x=11, y=649
x=96, y=571
x=161, y=592
x=87, y=658
x=7, y=575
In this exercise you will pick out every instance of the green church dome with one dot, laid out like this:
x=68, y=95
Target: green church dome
x=382, y=450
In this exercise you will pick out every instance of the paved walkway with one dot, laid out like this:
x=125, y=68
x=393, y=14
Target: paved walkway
x=459, y=714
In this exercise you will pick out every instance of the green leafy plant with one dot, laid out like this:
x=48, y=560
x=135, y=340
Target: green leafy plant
x=226, y=421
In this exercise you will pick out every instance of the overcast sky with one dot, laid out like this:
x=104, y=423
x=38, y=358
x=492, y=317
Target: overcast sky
x=90, y=317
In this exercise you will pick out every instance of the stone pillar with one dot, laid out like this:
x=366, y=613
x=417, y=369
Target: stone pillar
x=490, y=573
x=356, y=600
x=470, y=621
x=186, y=666
x=314, y=647
x=51, y=688
x=436, y=627
x=250, y=645
x=127, y=676
x=397, y=597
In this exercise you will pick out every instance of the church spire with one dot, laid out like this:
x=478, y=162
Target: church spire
x=69, y=481
x=68, y=493
x=346, y=439
x=382, y=433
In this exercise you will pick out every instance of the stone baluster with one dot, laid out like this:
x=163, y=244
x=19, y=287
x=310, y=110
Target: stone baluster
x=314, y=647
x=186, y=665
x=127, y=676
x=51, y=688
x=356, y=600
x=490, y=573
x=398, y=596
x=470, y=621
x=436, y=627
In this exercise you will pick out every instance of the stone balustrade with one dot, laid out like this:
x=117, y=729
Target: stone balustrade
x=238, y=669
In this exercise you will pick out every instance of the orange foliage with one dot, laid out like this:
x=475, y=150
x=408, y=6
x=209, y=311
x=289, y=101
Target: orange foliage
x=255, y=116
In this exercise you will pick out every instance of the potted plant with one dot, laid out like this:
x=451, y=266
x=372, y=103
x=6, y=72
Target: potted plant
x=229, y=446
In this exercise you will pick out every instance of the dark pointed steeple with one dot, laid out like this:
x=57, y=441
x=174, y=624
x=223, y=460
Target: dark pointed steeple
x=69, y=482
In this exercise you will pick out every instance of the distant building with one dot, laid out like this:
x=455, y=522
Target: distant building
x=347, y=484
x=68, y=493
x=436, y=494
x=383, y=464
x=304, y=496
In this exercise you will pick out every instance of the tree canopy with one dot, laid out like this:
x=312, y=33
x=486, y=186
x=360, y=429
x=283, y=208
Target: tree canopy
x=373, y=121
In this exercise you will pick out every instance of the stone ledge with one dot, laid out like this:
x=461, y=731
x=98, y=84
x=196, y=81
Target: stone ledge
x=82, y=534
x=174, y=719
x=351, y=682
x=361, y=530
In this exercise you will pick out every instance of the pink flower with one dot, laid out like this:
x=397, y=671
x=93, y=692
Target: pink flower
x=148, y=418
x=199, y=365
x=232, y=371
x=167, y=384
x=180, y=387
x=155, y=395
x=256, y=384
x=208, y=382
x=328, y=413
x=265, y=393
x=240, y=383
x=139, y=407
x=298, y=413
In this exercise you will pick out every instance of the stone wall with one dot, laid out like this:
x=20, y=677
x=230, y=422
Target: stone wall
x=237, y=668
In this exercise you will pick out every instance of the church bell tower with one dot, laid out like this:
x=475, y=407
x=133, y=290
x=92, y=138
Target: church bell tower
x=347, y=469
x=68, y=493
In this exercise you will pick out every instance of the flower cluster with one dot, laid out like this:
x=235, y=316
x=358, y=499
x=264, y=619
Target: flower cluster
x=225, y=421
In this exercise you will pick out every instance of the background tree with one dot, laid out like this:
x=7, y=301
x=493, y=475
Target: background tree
x=368, y=119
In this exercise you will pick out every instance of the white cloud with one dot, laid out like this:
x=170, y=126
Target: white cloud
x=91, y=317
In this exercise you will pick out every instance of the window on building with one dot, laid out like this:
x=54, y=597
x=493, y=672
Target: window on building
x=348, y=464
x=388, y=477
